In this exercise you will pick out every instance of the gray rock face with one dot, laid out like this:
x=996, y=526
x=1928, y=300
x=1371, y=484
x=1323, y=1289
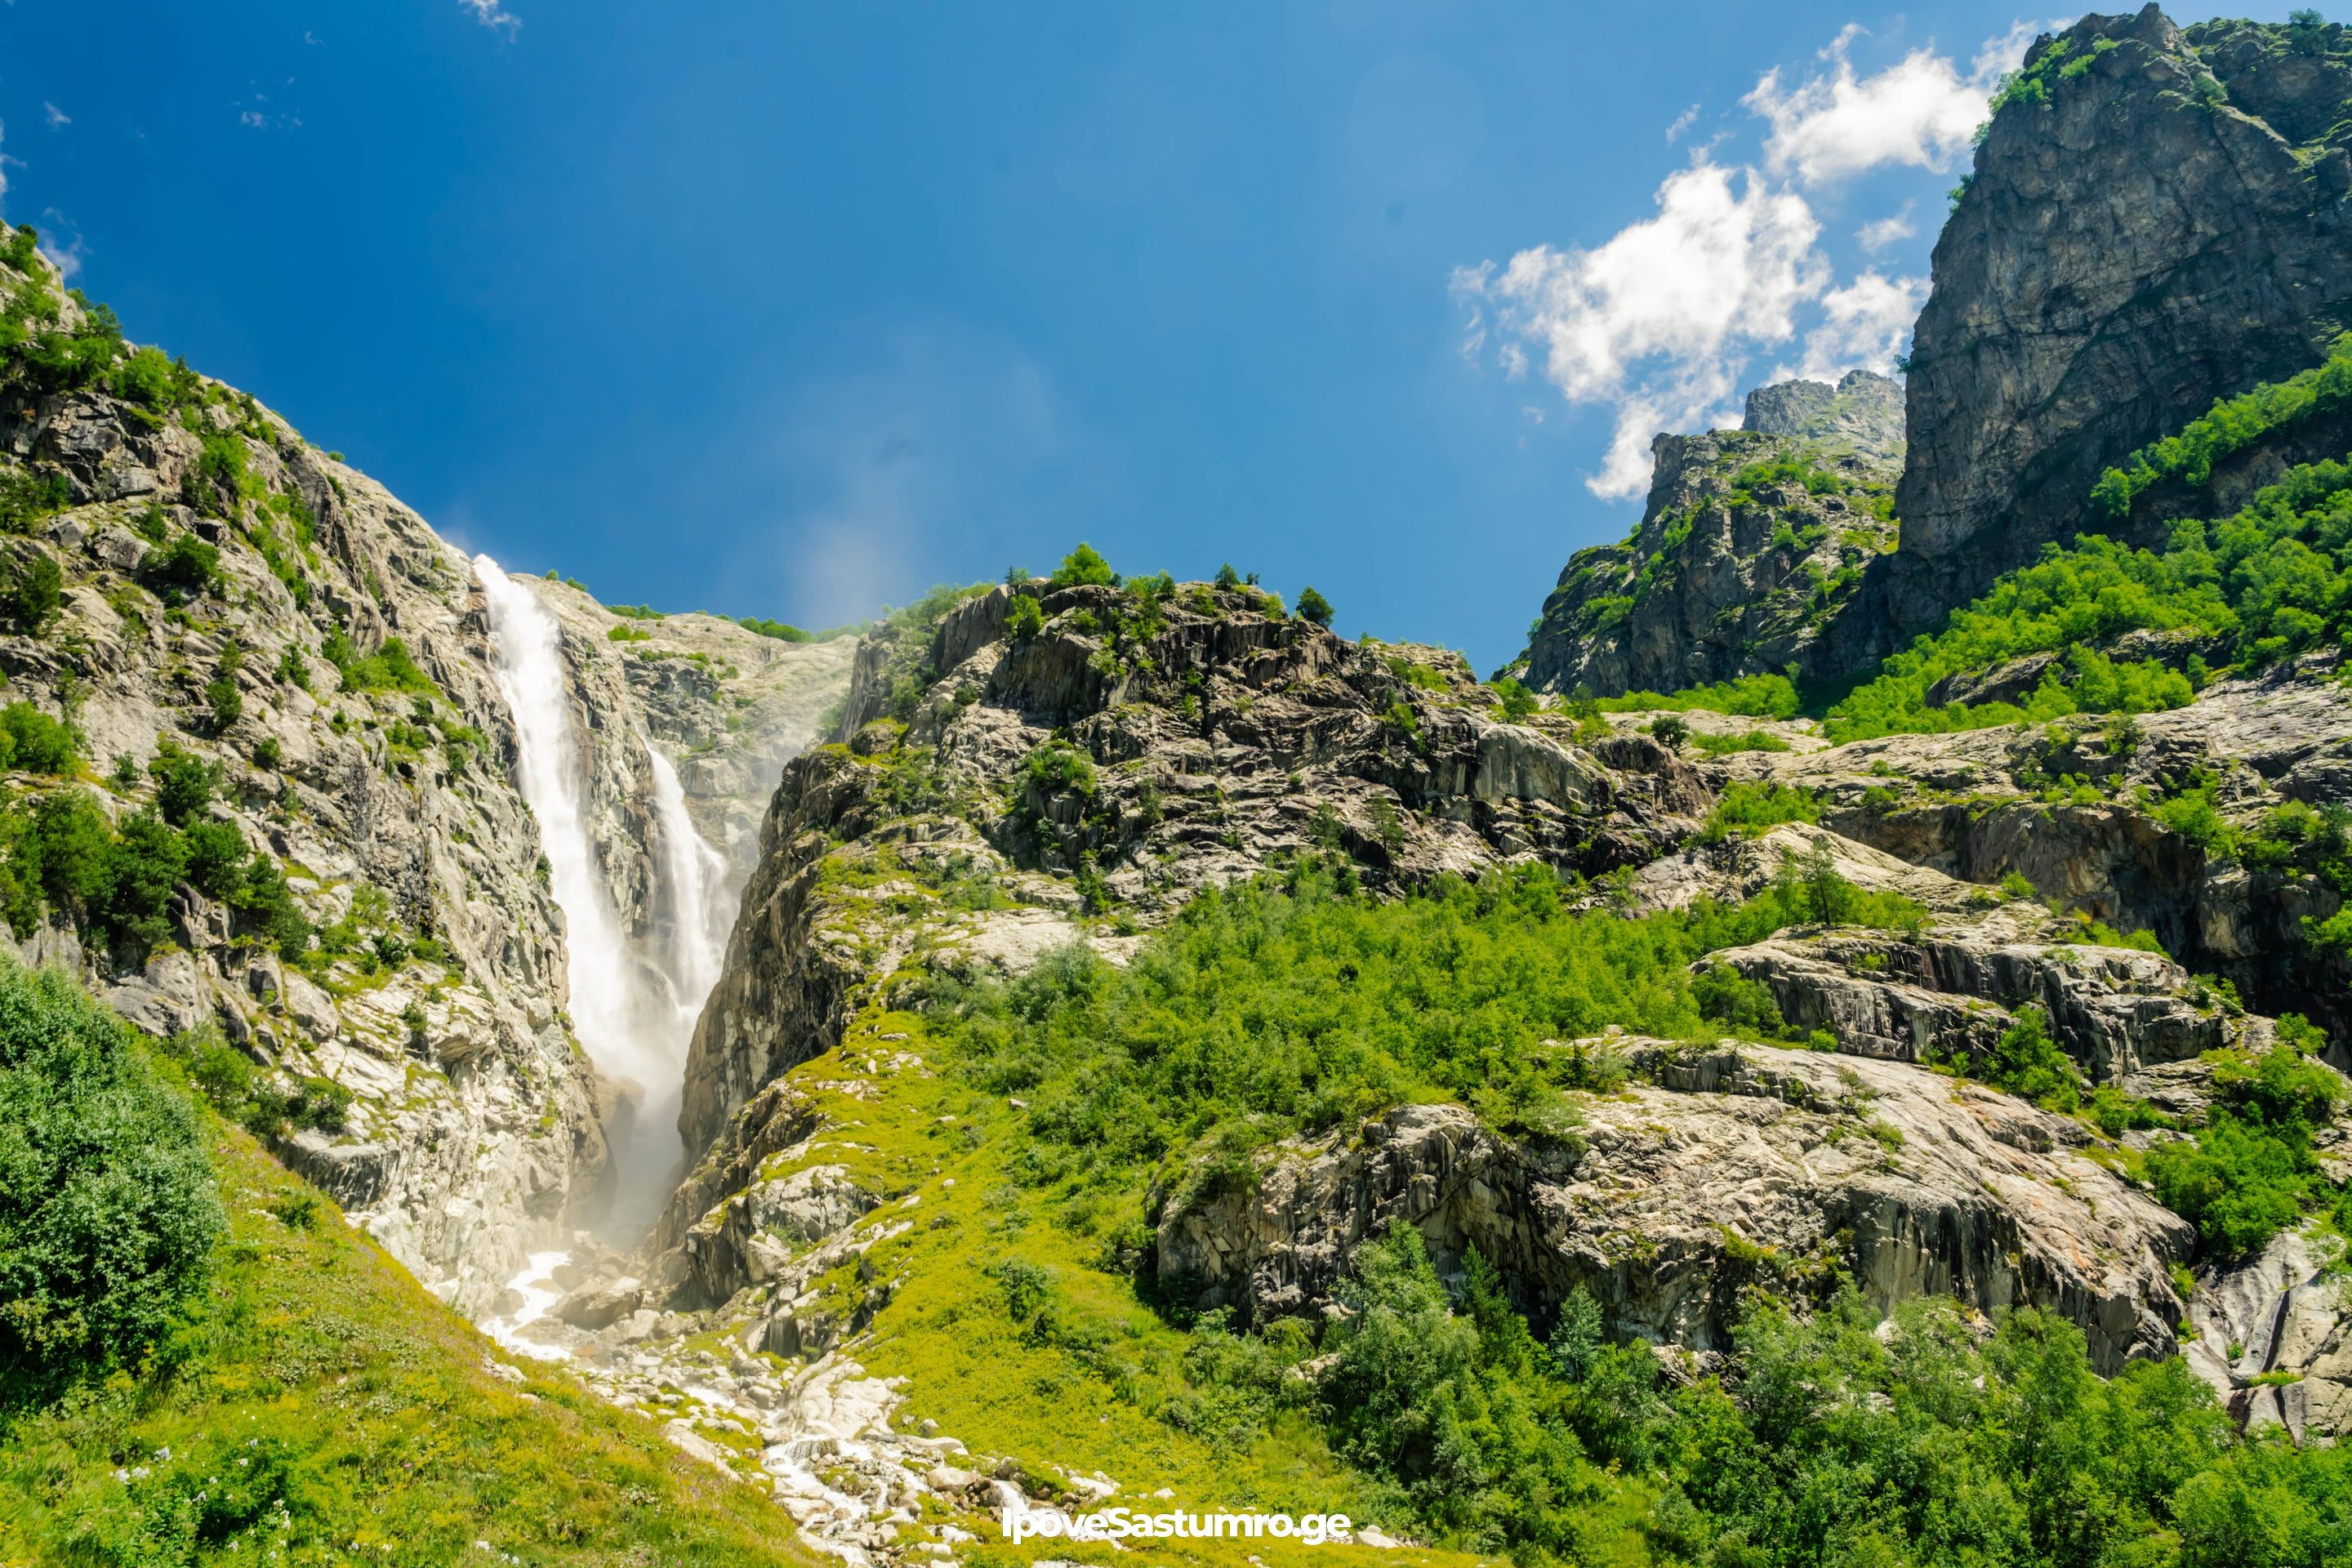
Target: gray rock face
x=1736, y=565
x=2281, y=1318
x=1863, y=412
x=1974, y=805
x=1717, y=1169
x=2164, y=227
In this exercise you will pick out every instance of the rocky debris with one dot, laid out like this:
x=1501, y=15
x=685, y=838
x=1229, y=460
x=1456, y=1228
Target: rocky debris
x=1717, y=1169
x=2161, y=224
x=2274, y=1337
x=1750, y=542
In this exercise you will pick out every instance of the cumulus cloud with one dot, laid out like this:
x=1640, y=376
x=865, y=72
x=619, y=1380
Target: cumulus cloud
x=1659, y=317
x=1666, y=322
x=1921, y=111
x=1862, y=325
x=1880, y=233
x=494, y=16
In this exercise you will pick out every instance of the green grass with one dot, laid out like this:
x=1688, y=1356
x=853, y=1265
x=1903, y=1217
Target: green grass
x=316, y=1374
x=1021, y=1324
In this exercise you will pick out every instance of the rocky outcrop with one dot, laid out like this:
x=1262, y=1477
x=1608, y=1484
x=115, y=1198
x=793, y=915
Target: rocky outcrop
x=2273, y=1337
x=1751, y=542
x=2155, y=219
x=1717, y=1170
x=1083, y=780
x=2074, y=809
x=1862, y=414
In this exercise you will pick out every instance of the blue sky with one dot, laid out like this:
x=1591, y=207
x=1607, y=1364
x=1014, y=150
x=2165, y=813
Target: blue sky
x=793, y=309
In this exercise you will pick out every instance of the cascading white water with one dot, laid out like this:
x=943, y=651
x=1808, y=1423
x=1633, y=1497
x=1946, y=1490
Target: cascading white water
x=634, y=1010
x=694, y=877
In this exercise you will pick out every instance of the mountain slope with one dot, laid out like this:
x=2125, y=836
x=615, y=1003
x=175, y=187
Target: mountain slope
x=282, y=805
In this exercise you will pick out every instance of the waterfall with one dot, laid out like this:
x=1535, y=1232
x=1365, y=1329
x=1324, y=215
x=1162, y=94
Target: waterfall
x=694, y=880
x=633, y=1006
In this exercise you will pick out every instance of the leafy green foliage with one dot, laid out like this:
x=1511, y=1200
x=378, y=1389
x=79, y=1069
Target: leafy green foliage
x=2231, y=426
x=1721, y=745
x=1825, y=1440
x=2271, y=581
x=2026, y=1061
x=1083, y=565
x=115, y=882
x=1024, y=619
x=26, y=497
x=1517, y=702
x=2250, y=1172
x=1314, y=607
x=107, y=1208
x=32, y=740
x=187, y=568
x=1751, y=696
x=390, y=668
x=1296, y=1004
x=32, y=590
x=1748, y=808
x=314, y=1396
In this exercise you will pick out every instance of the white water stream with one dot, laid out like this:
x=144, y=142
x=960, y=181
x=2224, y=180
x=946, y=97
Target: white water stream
x=633, y=1004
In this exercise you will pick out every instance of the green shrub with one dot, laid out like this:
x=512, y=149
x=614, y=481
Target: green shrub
x=184, y=783
x=1314, y=607
x=187, y=568
x=1751, y=697
x=32, y=590
x=1083, y=565
x=1718, y=745
x=2027, y=1062
x=627, y=633
x=1056, y=766
x=224, y=702
x=26, y=497
x=389, y=669
x=107, y=1212
x=2250, y=1172
x=1517, y=703
x=1746, y=808
x=1024, y=619
x=1670, y=732
x=32, y=740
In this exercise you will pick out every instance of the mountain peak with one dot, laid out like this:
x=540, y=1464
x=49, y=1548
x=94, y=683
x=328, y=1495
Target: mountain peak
x=1864, y=410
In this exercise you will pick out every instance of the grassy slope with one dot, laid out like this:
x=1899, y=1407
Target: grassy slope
x=316, y=1358
x=993, y=1380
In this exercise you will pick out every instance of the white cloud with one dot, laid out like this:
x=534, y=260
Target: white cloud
x=1682, y=121
x=57, y=116
x=1659, y=319
x=1920, y=111
x=493, y=15
x=1863, y=326
x=1880, y=233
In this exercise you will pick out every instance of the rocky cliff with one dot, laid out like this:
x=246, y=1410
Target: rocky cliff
x=247, y=636
x=1751, y=542
x=2155, y=218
